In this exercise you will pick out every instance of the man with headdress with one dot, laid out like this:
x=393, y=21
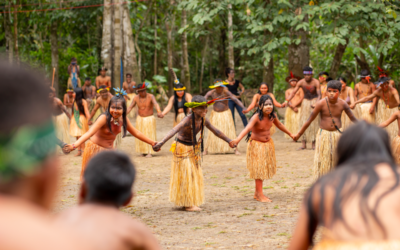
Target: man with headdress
x=73, y=72
x=145, y=121
x=129, y=86
x=221, y=118
x=312, y=94
x=366, y=109
x=89, y=92
x=101, y=102
x=390, y=97
x=187, y=186
x=69, y=98
x=103, y=79
x=292, y=115
x=380, y=107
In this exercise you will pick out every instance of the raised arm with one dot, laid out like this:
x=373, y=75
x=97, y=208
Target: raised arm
x=252, y=104
x=154, y=101
x=209, y=93
x=96, y=127
x=391, y=119
x=233, y=98
x=62, y=107
x=313, y=115
x=139, y=135
x=318, y=86
x=85, y=108
x=301, y=97
x=351, y=94
x=276, y=104
x=133, y=104
x=216, y=132
x=349, y=113
x=65, y=99
x=298, y=85
x=169, y=106
x=355, y=92
x=367, y=98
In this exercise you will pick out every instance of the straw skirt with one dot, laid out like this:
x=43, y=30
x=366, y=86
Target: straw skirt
x=146, y=125
x=325, y=152
x=396, y=149
x=261, y=160
x=179, y=118
x=292, y=121
x=91, y=149
x=61, y=124
x=379, y=111
x=186, y=186
x=74, y=129
x=305, y=112
x=91, y=103
x=223, y=121
x=365, y=115
x=346, y=122
x=384, y=114
x=131, y=114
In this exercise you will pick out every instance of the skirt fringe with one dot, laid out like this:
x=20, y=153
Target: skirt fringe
x=396, y=149
x=346, y=122
x=61, y=124
x=305, y=112
x=187, y=184
x=261, y=160
x=380, y=110
x=179, y=118
x=292, y=120
x=223, y=121
x=133, y=112
x=325, y=152
x=118, y=141
x=146, y=125
x=365, y=115
x=383, y=113
x=74, y=130
x=91, y=149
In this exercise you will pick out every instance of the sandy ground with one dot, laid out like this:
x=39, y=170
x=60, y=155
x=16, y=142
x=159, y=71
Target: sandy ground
x=231, y=218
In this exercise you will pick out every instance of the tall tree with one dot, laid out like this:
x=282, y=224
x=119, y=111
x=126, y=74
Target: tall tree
x=8, y=34
x=231, y=60
x=54, y=53
x=106, y=47
x=169, y=25
x=268, y=74
x=185, y=56
x=298, y=49
x=117, y=46
x=15, y=21
x=337, y=59
x=203, y=62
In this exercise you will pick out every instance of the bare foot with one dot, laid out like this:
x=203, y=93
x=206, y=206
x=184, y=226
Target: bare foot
x=313, y=146
x=237, y=152
x=79, y=153
x=205, y=152
x=193, y=209
x=263, y=198
x=144, y=155
x=149, y=156
x=300, y=148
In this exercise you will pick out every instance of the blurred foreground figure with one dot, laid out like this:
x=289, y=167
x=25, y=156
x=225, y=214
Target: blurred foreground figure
x=107, y=186
x=28, y=165
x=357, y=204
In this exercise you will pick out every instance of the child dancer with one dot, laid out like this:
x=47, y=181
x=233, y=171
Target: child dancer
x=79, y=121
x=260, y=156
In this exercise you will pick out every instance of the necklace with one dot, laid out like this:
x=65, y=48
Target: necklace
x=363, y=93
x=385, y=100
x=115, y=121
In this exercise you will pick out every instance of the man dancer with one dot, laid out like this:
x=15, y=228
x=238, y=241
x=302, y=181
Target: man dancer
x=312, y=94
x=101, y=103
x=90, y=93
x=362, y=89
x=69, y=99
x=129, y=87
x=390, y=96
x=221, y=118
x=292, y=115
x=61, y=117
x=102, y=79
x=145, y=121
x=330, y=109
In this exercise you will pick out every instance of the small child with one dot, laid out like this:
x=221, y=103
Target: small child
x=260, y=157
x=396, y=141
x=107, y=186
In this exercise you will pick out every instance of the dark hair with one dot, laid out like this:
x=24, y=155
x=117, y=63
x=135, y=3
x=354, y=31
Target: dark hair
x=88, y=79
x=128, y=74
x=114, y=99
x=307, y=68
x=185, y=109
x=102, y=87
x=259, y=110
x=360, y=148
x=263, y=83
x=198, y=98
x=29, y=99
x=334, y=84
x=364, y=72
x=109, y=177
x=78, y=100
x=138, y=87
x=340, y=78
x=228, y=71
x=323, y=73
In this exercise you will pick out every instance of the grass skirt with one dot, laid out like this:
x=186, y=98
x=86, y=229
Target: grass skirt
x=179, y=118
x=91, y=149
x=365, y=115
x=61, y=124
x=146, y=125
x=186, y=186
x=326, y=244
x=396, y=149
x=292, y=121
x=357, y=111
x=325, y=152
x=346, y=122
x=74, y=130
x=118, y=140
x=261, y=160
x=384, y=114
x=272, y=130
x=223, y=121
x=131, y=114
x=305, y=112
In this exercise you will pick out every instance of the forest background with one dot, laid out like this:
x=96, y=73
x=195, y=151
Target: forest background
x=262, y=40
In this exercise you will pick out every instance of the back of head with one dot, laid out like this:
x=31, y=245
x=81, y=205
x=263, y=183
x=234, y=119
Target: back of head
x=334, y=84
x=108, y=178
x=199, y=98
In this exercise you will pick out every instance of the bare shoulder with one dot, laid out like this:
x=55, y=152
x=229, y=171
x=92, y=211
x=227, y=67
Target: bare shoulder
x=84, y=102
x=151, y=95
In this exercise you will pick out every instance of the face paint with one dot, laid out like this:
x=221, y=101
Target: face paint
x=293, y=83
x=333, y=94
x=268, y=107
x=116, y=110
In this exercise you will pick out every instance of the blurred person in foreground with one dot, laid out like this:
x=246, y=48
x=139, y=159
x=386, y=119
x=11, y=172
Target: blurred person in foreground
x=107, y=186
x=28, y=165
x=357, y=204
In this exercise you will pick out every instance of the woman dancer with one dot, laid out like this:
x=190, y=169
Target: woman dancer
x=79, y=122
x=346, y=94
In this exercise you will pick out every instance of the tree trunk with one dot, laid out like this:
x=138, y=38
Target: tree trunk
x=299, y=55
x=337, y=59
x=130, y=60
x=268, y=74
x=106, y=46
x=15, y=21
x=186, y=68
x=203, y=61
x=98, y=36
x=155, y=45
x=170, y=43
x=117, y=45
x=380, y=60
x=362, y=61
x=8, y=34
x=231, y=58
x=54, y=54
x=221, y=54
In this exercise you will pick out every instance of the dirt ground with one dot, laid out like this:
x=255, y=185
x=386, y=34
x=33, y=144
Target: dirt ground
x=231, y=218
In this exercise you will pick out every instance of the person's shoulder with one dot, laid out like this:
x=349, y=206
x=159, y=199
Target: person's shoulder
x=301, y=81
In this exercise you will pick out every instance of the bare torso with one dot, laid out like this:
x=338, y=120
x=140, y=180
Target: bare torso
x=364, y=89
x=103, y=103
x=145, y=105
x=261, y=129
x=389, y=97
x=336, y=110
x=345, y=95
x=90, y=92
x=103, y=81
x=103, y=137
x=297, y=97
x=309, y=88
x=68, y=100
x=128, y=87
x=219, y=106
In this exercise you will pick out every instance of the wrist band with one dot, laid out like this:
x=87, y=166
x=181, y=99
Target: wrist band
x=73, y=145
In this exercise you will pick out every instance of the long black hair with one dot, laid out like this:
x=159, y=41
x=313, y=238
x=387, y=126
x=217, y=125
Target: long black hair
x=261, y=84
x=260, y=113
x=78, y=100
x=121, y=99
x=228, y=71
x=360, y=149
x=340, y=78
x=185, y=109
